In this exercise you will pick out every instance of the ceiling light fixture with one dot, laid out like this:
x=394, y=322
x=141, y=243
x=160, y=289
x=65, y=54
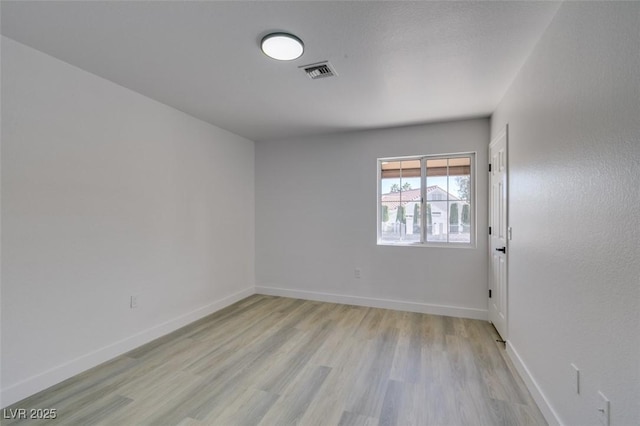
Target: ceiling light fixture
x=282, y=46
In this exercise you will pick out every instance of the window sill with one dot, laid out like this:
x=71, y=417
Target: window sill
x=427, y=245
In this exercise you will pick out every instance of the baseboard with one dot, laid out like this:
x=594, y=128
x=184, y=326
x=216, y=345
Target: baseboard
x=69, y=369
x=399, y=305
x=545, y=407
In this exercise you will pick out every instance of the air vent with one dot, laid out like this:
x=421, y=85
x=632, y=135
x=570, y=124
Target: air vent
x=319, y=70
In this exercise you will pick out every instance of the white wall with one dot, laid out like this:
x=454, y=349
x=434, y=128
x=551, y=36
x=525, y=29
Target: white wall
x=106, y=194
x=574, y=121
x=316, y=222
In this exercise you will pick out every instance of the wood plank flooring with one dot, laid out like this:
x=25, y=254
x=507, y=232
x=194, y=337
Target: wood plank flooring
x=278, y=361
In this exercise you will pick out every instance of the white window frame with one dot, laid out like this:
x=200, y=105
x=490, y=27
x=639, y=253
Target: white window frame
x=423, y=204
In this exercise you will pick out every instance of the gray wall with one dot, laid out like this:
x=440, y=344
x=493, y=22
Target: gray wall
x=574, y=271
x=316, y=222
x=106, y=194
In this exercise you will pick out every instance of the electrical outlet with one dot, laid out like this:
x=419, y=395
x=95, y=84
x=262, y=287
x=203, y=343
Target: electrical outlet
x=357, y=272
x=577, y=377
x=603, y=409
x=133, y=301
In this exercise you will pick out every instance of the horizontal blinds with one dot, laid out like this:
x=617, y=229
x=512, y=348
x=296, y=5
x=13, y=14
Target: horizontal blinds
x=395, y=173
x=411, y=168
x=453, y=171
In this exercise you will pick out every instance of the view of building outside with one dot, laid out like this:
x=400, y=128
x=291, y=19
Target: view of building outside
x=447, y=215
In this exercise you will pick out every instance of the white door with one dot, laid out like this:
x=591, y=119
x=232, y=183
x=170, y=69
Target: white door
x=498, y=250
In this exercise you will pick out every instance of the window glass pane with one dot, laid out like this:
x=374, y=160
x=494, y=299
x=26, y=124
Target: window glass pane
x=437, y=225
x=465, y=222
x=437, y=188
x=459, y=200
x=410, y=196
x=389, y=201
x=460, y=178
x=390, y=230
x=460, y=187
x=456, y=229
x=437, y=179
x=400, y=192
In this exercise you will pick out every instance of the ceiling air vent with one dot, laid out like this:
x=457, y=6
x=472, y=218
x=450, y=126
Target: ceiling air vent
x=319, y=70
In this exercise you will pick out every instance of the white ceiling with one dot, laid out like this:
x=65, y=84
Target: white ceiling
x=398, y=63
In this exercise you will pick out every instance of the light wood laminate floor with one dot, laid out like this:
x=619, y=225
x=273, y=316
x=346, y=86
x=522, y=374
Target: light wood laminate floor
x=278, y=361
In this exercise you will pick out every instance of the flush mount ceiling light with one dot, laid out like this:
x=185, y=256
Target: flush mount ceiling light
x=282, y=46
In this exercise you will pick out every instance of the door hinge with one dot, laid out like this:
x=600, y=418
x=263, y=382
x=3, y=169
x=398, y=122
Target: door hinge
x=489, y=294
x=489, y=166
x=489, y=230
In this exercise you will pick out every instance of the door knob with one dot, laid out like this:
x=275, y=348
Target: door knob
x=503, y=249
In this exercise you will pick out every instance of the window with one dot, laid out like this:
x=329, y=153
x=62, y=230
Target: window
x=426, y=200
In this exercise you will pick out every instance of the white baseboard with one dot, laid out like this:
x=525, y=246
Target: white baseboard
x=399, y=305
x=62, y=372
x=545, y=407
